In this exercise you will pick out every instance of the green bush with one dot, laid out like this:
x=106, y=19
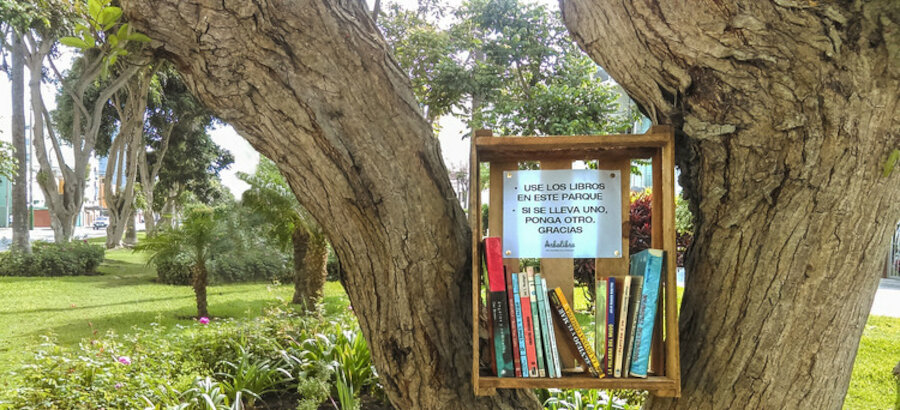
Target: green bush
x=53, y=259
x=232, y=363
x=265, y=265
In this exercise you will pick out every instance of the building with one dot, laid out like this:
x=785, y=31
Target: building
x=5, y=202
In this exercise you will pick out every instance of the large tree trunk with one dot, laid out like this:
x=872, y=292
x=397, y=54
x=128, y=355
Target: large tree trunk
x=311, y=85
x=20, y=183
x=315, y=269
x=785, y=113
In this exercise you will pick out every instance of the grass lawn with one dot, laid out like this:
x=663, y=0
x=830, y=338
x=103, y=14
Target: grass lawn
x=72, y=308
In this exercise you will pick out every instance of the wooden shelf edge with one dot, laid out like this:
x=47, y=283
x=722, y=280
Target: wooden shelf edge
x=652, y=383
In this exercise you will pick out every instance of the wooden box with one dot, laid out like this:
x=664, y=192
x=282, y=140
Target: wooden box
x=559, y=152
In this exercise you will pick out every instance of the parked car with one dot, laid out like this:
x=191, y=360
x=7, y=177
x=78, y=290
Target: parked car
x=101, y=223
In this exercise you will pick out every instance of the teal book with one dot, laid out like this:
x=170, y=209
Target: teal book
x=649, y=265
x=551, y=333
x=542, y=323
x=520, y=325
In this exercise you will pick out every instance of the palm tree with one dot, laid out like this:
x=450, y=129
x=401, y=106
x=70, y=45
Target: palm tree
x=195, y=237
x=291, y=227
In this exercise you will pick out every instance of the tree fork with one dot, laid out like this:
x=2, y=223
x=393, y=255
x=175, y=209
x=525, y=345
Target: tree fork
x=785, y=113
x=312, y=86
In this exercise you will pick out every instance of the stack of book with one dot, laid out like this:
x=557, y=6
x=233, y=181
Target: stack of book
x=523, y=311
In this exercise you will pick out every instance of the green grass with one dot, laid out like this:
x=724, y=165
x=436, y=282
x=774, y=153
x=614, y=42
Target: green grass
x=871, y=385
x=72, y=308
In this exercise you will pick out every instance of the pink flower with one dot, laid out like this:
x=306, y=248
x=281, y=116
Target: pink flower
x=204, y=320
x=124, y=360
x=119, y=386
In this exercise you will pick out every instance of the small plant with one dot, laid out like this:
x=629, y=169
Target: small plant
x=53, y=259
x=581, y=399
x=251, y=376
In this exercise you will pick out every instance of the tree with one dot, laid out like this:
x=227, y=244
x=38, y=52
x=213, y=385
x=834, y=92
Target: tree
x=338, y=117
x=19, y=198
x=291, y=226
x=786, y=114
x=196, y=237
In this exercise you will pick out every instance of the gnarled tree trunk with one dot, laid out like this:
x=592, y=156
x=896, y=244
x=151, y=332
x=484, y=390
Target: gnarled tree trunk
x=311, y=85
x=300, y=245
x=786, y=113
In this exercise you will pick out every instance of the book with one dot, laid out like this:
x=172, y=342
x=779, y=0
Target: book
x=576, y=335
x=637, y=283
x=624, y=293
x=513, y=329
x=497, y=300
x=536, y=320
x=610, y=325
x=600, y=308
x=542, y=324
x=528, y=323
x=520, y=324
x=649, y=264
x=551, y=333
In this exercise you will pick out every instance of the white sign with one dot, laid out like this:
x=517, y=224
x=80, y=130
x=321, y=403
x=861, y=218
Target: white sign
x=562, y=214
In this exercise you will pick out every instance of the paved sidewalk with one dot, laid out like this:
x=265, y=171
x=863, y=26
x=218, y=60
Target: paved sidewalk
x=887, y=298
x=46, y=234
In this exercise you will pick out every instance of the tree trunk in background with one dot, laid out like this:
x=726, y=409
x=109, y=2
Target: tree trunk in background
x=20, y=182
x=300, y=244
x=785, y=115
x=131, y=231
x=199, y=283
x=311, y=85
x=315, y=267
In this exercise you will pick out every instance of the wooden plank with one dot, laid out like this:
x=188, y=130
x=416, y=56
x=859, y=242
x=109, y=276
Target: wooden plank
x=475, y=225
x=673, y=363
x=498, y=153
x=559, y=272
x=550, y=143
x=580, y=382
x=605, y=267
x=657, y=348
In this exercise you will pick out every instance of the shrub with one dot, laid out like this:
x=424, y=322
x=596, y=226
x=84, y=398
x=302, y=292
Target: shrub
x=53, y=259
x=265, y=265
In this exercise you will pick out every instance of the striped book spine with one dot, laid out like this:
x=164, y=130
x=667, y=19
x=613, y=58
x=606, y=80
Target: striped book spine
x=536, y=321
x=528, y=322
x=576, y=335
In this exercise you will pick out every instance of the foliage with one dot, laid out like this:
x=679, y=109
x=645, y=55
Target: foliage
x=684, y=220
x=502, y=64
x=103, y=31
x=266, y=265
x=583, y=399
x=53, y=259
x=226, y=364
x=8, y=165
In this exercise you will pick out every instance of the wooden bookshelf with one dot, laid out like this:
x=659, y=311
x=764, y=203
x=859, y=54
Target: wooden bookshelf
x=558, y=152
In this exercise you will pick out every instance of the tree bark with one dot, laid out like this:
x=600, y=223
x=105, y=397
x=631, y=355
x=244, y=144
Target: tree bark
x=311, y=85
x=315, y=269
x=20, y=224
x=785, y=114
x=199, y=283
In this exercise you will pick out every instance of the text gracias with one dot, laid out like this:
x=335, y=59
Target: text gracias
x=550, y=192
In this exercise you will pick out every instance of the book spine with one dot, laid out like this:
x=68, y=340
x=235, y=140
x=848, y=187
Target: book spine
x=513, y=328
x=542, y=324
x=610, y=326
x=635, y=301
x=562, y=308
x=528, y=321
x=536, y=320
x=600, y=322
x=498, y=307
x=520, y=325
x=551, y=333
x=647, y=312
x=624, y=296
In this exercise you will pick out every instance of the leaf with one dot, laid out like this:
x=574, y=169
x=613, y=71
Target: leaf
x=891, y=162
x=123, y=31
x=112, y=59
x=113, y=40
x=74, y=42
x=94, y=9
x=139, y=37
x=89, y=40
x=109, y=17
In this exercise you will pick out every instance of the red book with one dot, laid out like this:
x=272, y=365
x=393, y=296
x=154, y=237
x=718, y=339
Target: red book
x=497, y=303
x=528, y=323
x=512, y=320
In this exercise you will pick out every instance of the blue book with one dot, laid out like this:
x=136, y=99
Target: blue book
x=648, y=264
x=541, y=323
x=520, y=326
x=551, y=334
